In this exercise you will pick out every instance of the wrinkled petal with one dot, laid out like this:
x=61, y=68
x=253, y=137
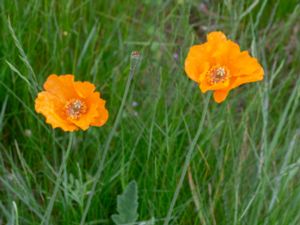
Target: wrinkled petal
x=220, y=96
x=84, y=89
x=103, y=115
x=228, y=53
x=206, y=62
x=216, y=37
x=195, y=70
x=219, y=86
x=243, y=65
x=71, y=105
x=61, y=86
x=93, y=103
x=256, y=76
x=204, y=86
x=50, y=106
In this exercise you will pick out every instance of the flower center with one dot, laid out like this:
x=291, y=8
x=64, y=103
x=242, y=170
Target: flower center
x=217, y=74
x=75, y=108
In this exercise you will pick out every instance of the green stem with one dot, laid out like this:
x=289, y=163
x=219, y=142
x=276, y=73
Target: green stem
x=134, y=64
x=187, y=163
x=46, y=217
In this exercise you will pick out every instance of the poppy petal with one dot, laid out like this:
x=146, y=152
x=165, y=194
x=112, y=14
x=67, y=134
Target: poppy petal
x=220, y=96
x=195, y=71
x=61, y=86
x=50, y=106
x=84, y=89
x=85, y=120
x=216, y=37
x=219, y=65
x=102, y=118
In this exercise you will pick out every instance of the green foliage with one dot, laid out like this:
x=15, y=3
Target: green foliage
x=243, y=167
x=127, y=205
x=148, y=222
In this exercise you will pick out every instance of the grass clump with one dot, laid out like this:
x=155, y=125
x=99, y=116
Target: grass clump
x=244, y=164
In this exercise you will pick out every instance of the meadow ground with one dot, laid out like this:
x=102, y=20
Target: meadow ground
x=245, y=155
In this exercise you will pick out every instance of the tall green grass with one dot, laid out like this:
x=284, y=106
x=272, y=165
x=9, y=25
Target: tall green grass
x=194, y=161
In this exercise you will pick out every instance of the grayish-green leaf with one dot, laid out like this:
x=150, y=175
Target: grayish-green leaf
x=127, y=204
x=148, y=222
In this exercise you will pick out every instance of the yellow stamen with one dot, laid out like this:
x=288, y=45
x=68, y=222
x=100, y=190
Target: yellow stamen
x=217, y=74
x=75, y=108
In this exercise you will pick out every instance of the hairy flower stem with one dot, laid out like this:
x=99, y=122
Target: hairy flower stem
x=135, y=58
x=187, y=162
x=46, y=217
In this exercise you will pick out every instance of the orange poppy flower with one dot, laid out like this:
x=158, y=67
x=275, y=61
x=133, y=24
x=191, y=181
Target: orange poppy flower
x=71, y=105
x=219, y=65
